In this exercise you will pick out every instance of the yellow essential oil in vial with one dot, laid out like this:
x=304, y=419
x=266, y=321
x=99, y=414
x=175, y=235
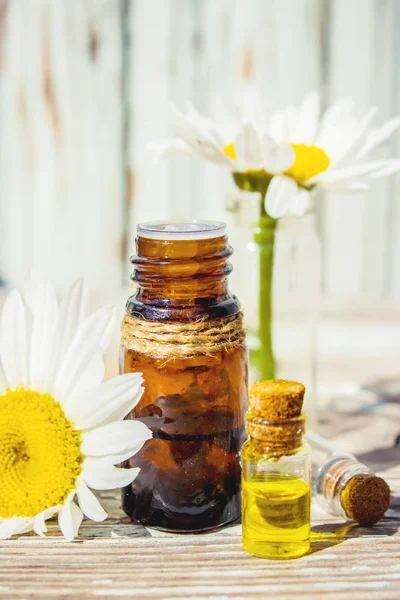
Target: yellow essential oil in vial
x=276, y=516
x=276, y=473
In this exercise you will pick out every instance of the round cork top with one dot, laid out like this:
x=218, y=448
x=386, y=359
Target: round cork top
x=276, y=399
x=365, y=498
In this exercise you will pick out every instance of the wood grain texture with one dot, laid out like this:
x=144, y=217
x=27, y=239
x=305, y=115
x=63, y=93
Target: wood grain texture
x=60, y=143
x=119, y=559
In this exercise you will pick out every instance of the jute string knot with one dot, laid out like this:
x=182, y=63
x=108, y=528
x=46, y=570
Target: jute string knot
x=182, y=339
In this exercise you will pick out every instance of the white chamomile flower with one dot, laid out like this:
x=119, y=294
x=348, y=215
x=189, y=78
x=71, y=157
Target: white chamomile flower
x=61, y=428
x=286, y=157
x=241, y=145
x=330, y=152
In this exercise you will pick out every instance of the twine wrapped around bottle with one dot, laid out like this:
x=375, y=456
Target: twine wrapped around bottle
x=182, y=339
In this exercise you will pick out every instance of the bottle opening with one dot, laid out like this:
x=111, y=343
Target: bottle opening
x=181, y=230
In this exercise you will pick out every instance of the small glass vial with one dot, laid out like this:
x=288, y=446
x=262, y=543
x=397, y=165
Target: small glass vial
x=344, y=486
x=183, y=330
x=276, y=472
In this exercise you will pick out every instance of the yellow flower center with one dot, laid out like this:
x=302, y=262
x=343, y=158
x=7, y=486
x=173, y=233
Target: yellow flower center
x=230, y=151
x=40, y=455
x=310, y=161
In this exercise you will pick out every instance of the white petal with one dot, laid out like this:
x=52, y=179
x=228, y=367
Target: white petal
x=105, y=403
x=358, y=139
x=43, y=341
x=378, y=135
x=73, y=311
x=91, y=377
x=204, y=123
x=33, y=291
x=93, y=334
x=210, y=151
x=199, y=137
x=184, y=129
x=340, y=174
x=14, y=526
x=307, y=120
x=14, y=341
x=248, y=147
x=3, y=380
x=348, y=186
x=252, y=109
x=118, y=441
x=279, y=195
x=169, y=147
x=203, y=139
x=26, y=527
x=89, y=504
x=39, y=525
x=277, y=127
x=300, y=203
x=291, y=119
x=338, y=113
x=277, y=157
x=99, y=474
x=70, y=519
x=391, y=166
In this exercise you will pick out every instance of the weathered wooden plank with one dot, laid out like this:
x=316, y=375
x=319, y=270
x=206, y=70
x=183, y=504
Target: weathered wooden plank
x=61, y=141
x=16, y=152
x=379, y=201
x=184, y=172
x=356, y=226
x=212, y=565
x=393, y=223
x=151, y=29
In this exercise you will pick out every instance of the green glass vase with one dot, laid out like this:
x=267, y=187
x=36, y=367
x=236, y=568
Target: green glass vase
x=277, y=277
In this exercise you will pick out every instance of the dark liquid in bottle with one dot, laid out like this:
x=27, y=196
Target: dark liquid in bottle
x=189, y=472
x=201, y=482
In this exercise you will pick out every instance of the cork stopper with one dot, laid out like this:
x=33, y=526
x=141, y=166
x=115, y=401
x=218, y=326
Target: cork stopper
x=274, y=420
x=365, y=498
x=276, y=399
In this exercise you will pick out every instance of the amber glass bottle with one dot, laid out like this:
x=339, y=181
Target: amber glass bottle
x=195, y=380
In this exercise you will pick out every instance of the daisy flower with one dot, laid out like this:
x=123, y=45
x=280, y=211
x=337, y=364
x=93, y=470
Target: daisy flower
x=61, y=428
x=286, y=157
x=242, y=145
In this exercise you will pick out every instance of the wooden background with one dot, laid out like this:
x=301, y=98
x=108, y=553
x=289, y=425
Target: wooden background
x=85, y=85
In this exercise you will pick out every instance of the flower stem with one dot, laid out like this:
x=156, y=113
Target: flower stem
x=263, y=357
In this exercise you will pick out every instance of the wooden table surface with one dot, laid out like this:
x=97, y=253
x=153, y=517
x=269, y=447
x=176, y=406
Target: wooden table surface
x=118, y=559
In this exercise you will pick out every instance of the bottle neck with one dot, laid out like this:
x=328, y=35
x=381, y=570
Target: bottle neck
x=334, y=477
x=181, y=272
x=277, y=438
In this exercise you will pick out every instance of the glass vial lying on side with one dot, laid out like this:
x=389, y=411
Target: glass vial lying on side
x=344, y=486
x=276, y=472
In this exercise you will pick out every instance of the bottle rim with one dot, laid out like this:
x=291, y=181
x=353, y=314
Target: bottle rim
x=181, y=229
